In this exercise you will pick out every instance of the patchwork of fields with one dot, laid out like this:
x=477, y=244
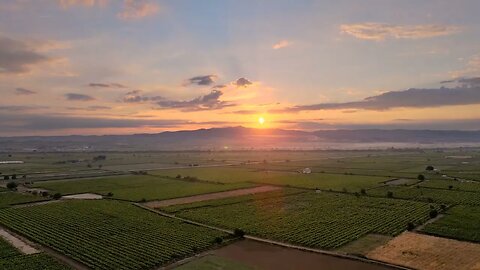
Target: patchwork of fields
x=352, y=201
x=87, y=231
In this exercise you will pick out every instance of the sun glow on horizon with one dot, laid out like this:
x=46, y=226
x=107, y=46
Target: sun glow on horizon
x=261, y=120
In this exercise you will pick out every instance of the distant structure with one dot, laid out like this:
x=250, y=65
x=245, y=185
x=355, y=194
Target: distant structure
x=306, y=171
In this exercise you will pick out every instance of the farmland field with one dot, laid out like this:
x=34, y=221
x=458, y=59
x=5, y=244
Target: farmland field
x=12, y=259
x=320, y=220
x=460, y=222
x=9, y=198
x=87, y=231
x=137, y=187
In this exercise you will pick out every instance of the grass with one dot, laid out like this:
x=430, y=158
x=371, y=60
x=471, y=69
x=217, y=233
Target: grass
x=365, y=244
x=319, y=220
x=451, y=184
x=137, y=187
x=212, y=262
x=9, y=198
x=109, y=234
x=460, y=222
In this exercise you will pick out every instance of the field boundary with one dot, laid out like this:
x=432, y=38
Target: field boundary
x=272, y=242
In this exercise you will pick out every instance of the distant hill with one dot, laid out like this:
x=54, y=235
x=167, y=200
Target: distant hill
x=244, y=138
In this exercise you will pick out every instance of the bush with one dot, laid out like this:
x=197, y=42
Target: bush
x=443, y=207
x=450, y=187
x=178, y=176
x=389, y=194
x=429, y=168
x=143, y=200
x=410, y=226
x=57, y=196
x=421, y=177
x=218, y=240
x=109, y=194
x=433, y=213
x=12, y=185
x=238, y=233
x=363, y=191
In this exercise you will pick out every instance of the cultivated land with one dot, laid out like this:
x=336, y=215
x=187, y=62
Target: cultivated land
x=428, y=252
x=13, y=259
x=109, y=234
x=351, y=203
x=137, y=187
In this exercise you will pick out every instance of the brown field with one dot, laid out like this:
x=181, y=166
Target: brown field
x=271, y=257
x=427, y=252
x=211, y=196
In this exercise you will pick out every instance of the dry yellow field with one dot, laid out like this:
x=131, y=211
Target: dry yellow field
x=427, y=252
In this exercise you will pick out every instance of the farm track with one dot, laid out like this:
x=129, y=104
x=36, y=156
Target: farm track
x=268, y=241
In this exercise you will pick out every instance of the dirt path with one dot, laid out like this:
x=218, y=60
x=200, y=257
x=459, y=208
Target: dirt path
x=18, y=243
x=211, y=196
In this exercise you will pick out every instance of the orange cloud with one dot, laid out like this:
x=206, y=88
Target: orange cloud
x=281, y=44
x=135, y=9
x=87, y=3
x=381, y=31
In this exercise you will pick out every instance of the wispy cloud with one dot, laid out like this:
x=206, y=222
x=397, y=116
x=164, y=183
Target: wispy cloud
x=281, y=44
x=411, y=98
x=136, y=96
x=202, y=80
x=87, y=3
x=209, y=101
x=242, y=82
x=382, y=31
x=78, y=97
x=136, y=9
x=24, y=92
x=107, y=85
x=17, y=56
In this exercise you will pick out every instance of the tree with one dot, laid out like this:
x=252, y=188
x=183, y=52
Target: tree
x=6, y=177
x=238, y=232
x=218, y=240
x=363, y=191
x=450, y=187
x=109, y=194
x=57, y=196
x=429, y=168
x=390, y=194
x=410, y=226
x=433, y=213
x=14, y=176
x=12, y=185
x=421, y=177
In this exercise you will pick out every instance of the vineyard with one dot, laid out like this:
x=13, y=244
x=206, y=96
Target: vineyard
x=109, y=234
x=319, y=220
x=9, y=198
x=441, y=196
x=452, y=185
x=460, y=222
x=12, y=259
x=137, y=188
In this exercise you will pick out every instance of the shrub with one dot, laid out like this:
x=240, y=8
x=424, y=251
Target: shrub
x=57, y=196
x=109, y=194
x=421, y=177
x=433, y=213
x=363, y=191
x=238, y=232
x=12, y=185
x=410, y=226
x=389, y=194
x=218, y=240
x=429, y=168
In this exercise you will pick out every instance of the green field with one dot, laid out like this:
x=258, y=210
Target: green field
x=325, y=181
x=137, y=187
x=109, y=234
x=441, y=196
x=12, y=259
x=460, y=222
x=8, y=198
x=453, y=185
x=319, y=220
x=212, y=262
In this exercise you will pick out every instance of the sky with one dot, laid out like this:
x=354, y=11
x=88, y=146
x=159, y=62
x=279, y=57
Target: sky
x=146, y=66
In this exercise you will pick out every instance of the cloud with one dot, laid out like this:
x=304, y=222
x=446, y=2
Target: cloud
x=242, y=82
x=202, y=80
x=464, y=81
x=382, y=31
x=245, y=112
x=78, y=97
x=136, y=96
x=86, y=3
x=89, y=108
x=14, y=108
x=107, y=85
x=136, y=9
x=412, y=98
x=23, y=92
x=209, y=101
x=281, y=44
x=18, y=56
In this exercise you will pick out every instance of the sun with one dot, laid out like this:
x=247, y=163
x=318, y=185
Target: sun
x=261, y=120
